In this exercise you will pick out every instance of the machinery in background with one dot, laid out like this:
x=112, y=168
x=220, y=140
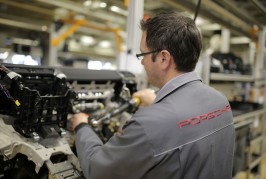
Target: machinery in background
x=229, y=63
x=35, y=104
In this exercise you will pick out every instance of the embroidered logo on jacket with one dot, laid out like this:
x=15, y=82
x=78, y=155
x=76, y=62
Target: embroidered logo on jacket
x=198, y=119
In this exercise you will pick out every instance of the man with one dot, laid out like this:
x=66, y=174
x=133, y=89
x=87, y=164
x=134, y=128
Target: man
x=185, y=132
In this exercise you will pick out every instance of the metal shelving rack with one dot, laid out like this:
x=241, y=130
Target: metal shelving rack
x=256, y=122
x=231, y=77
x=255, y=149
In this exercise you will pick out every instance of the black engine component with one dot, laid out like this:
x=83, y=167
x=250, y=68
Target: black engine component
x=35, y=101
x=35, y=96
x=228, y=63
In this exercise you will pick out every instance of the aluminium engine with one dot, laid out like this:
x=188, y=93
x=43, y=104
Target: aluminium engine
x=35, y=103
x=105, y=95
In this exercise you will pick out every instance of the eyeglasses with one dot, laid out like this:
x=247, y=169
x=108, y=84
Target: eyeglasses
x=141, y=55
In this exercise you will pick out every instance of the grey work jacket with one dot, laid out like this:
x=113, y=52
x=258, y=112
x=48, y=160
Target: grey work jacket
x=187, y=133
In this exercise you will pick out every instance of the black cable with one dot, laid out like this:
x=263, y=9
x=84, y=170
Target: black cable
x=197, y=10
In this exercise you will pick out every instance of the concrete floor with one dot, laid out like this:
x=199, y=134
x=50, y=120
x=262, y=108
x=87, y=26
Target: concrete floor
x=243, y=175
x=263, y=167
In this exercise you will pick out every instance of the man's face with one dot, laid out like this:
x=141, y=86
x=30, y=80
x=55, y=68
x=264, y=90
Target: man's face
x=150, y=66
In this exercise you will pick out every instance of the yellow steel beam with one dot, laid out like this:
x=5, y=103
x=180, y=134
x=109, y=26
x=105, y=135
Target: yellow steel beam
x=83, y=22
x=126, y=2
x=72, y=29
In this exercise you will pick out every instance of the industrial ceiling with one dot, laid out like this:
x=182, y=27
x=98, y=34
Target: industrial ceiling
x=243, y=17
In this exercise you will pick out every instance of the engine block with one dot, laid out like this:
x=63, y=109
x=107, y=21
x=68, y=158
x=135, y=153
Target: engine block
x=35, y=105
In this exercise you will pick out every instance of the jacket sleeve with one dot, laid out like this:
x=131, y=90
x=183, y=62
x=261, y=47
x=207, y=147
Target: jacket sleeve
x=128, y=155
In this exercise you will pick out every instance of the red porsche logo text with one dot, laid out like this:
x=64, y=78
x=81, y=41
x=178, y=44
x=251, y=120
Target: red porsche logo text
x=199, y=119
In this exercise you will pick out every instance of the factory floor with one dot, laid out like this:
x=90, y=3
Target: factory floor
x=263, y=166
x=243, y=175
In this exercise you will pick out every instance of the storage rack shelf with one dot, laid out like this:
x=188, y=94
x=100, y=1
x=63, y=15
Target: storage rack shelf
x=231, y=77
x=245, y=117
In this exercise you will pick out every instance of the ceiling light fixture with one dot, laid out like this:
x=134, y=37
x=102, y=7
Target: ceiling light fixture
x=119, y=10
x=44, y=28
x=87, y=3
x=114, y=8
x=87, y=40
x=103, y=5
x=105, y=44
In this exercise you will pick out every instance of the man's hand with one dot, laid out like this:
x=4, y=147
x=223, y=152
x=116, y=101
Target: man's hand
x=76, y=119
x=146, y=96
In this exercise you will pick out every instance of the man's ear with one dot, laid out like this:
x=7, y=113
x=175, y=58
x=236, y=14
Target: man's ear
x=165, y=59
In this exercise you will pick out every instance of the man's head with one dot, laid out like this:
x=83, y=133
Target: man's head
x=175, y=34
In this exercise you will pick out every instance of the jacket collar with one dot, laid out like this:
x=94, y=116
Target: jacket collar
x=176, y=83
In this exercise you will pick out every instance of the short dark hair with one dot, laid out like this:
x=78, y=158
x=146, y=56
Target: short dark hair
x=177, y=34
